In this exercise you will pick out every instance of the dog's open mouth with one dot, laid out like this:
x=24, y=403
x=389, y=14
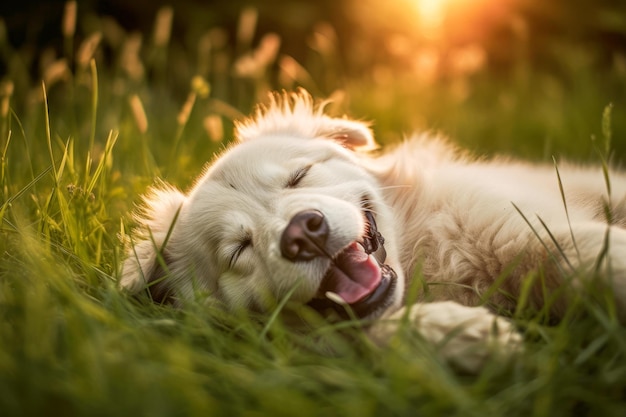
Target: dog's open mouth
x=358, y=280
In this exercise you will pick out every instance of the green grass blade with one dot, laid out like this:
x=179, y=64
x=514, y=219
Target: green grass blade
x=543, y=243
x=564, y=201
x=94, y=102
x=556, y=243
x=22, y=191
x=110, y=143
x=48, y=134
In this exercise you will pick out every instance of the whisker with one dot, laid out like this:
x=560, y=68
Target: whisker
x=389, y=187
x=374, y=211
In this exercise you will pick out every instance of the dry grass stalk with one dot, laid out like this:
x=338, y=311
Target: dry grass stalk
x=291, y=72
x=253, y=65
x=247, y=25
x=69, y=19
x=324, y=39
x=55, y=72
x=185, y=111
x=214, y=127
x=139, y=113
x=163, y=26
x=130, y=60
x=87, y=49
x=6, y=91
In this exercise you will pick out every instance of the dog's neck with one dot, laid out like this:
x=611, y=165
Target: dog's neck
x=404, y=175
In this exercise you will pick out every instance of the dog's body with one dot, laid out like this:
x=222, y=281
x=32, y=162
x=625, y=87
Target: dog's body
x=298, y=208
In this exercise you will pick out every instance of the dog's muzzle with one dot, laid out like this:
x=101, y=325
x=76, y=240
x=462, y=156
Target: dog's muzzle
x=357, y=282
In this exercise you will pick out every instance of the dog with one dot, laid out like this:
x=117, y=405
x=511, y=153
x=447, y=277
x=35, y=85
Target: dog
x=304, y=206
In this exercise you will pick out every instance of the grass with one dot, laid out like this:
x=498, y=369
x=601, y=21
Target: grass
x=78, y=150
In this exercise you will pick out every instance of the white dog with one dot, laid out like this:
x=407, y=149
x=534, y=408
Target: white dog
x=300, y=207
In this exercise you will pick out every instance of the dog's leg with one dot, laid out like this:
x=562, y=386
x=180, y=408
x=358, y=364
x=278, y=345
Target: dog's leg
x=466, y=337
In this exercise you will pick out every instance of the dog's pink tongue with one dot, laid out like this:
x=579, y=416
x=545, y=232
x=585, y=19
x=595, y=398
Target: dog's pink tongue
x=354, y=276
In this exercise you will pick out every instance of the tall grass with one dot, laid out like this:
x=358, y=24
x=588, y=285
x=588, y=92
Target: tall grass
x=78, y=149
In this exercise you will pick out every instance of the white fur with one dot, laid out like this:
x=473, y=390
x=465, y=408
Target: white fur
x=462, y=221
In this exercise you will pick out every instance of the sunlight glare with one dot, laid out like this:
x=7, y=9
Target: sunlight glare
x=433, y=12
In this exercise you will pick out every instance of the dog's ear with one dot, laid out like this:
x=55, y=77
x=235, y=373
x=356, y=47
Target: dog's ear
x=351, y=134
x=146, y=265
x=299, y=115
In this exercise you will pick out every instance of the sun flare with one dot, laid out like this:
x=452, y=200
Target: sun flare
x=432, y=12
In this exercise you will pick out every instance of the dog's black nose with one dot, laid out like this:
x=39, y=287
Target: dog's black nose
x=305, y=236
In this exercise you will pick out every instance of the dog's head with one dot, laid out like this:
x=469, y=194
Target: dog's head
x=290, y=210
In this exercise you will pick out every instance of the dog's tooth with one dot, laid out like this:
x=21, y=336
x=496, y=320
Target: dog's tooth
x=335, y=298
x=362, y=246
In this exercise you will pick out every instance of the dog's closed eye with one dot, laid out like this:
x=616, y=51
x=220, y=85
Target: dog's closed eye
x=238, y=250
x=298, y=176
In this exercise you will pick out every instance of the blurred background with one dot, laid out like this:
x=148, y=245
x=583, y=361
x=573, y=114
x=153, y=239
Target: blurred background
x=528, y=77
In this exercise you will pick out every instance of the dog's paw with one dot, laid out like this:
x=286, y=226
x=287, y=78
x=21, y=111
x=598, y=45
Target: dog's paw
x=466, y=337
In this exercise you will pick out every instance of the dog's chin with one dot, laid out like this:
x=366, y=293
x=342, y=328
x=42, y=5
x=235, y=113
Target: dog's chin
x=358, y=282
